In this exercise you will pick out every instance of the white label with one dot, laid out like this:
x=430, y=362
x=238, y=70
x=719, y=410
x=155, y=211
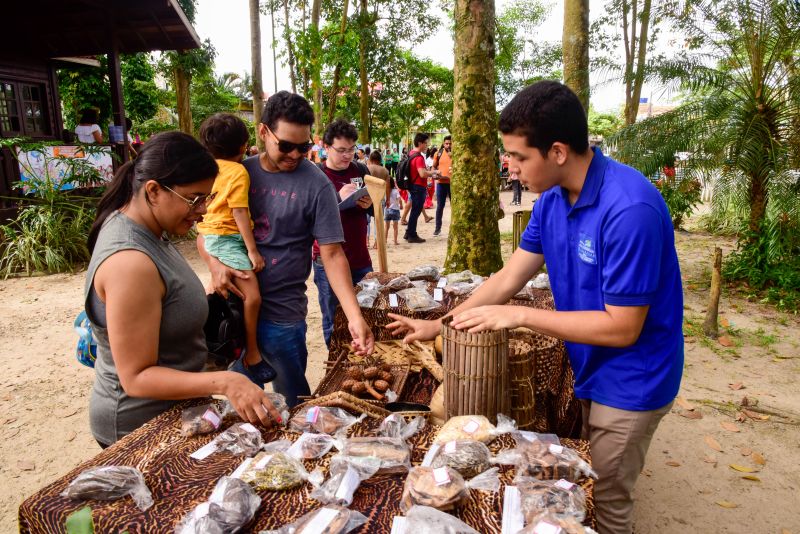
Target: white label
x=438, y=295
x=202, y=509
x=216, y=495
x=450, y=447
x=242, y=468
x=321, y=520
x=442, y=282
x=399, y=525
x=348, y=485
x=565, y=484
x=544, y=527
x=205, y=451
x=393, y=300
x=430, y=455
x=262, y=463
x=212, y=417
x=471, y=426
x=513, y=520
x=441, y=476
x=247, y=427
x=556, y=449
x=312, y=414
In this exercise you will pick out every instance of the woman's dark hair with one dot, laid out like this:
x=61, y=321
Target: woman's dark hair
x=339, y=128
x=545, y=113
x=289, y=107
x=224, y=135
x=88, y=116
x=375, y=157
x=170, y=158
x=420, y=138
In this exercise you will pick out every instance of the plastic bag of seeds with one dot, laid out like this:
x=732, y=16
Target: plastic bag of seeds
x=310, y=446
x=232, y=504
x=418, y=299
x=370, y=284
x=109, y=483
x=240, y=438
x=474, y=427
x=559, y=497
x=429, y=273
x=393, y=453
x=467, y=456
x=322, y=419
x=463, y=276
x=331, y=519
x=549, y=523
x=347, y=473
x=395, y=426
x=278, y=471
x=443, y=488
x=401, y=282
x=229, y=415
x=427, y=520
x=546, y=461
x=366, y=298
x=198, y=420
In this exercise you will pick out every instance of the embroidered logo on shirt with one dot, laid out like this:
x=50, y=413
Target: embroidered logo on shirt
x=586, y=249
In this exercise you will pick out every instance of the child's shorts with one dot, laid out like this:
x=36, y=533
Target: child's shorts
x=229, y=249
x=391, y=215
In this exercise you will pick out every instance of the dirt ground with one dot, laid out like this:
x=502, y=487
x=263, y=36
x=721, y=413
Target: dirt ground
x=687, y=485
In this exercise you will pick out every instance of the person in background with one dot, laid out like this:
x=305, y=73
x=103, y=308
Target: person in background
x=394, y=204
x=443, y=164
x=431, y=187
x=252, y=151
x=146, y=305
x=227, y=230
x=88, y=131
x=419, y=184
x=516, y=186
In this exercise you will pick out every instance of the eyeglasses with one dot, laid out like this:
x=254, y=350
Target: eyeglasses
x=287, y=146
x=194, y=203
x=351, y=150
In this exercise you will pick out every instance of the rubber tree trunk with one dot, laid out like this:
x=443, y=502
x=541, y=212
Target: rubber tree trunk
x=364, y=136
x=287, y=35
x=338, y=68
x=575, y=48
x=316, y=70
x=710, y=327
x=182, y=81
x=255, y=64
x=474, y=237
x=635, y=52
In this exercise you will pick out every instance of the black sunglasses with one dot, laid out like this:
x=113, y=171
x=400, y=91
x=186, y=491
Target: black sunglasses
x=287, y=146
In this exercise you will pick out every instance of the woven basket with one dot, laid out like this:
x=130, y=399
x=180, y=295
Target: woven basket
x=476, y=379
x=332, y=381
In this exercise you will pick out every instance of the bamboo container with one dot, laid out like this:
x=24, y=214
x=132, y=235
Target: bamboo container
x=476, y=372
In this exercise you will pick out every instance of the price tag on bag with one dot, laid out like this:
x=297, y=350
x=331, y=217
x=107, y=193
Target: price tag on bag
x=471, y=426
x=441, y=476
x=312, y=414
x=212, y=417
x=450, y=447
x=393, y=300
x=438, y=294
x=442, y=282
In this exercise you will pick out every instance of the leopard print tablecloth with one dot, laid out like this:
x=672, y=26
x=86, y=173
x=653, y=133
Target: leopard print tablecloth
x=179, y=483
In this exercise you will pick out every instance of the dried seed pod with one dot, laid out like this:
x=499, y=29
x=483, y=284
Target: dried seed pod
x=372, y=391
x=359, y=388
x=386, y=367
x=355, y=373
x=371, y=372
x=347, y=385
x=381, y=385
x=385, y=375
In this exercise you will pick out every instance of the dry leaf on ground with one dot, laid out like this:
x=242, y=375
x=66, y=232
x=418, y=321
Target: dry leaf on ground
x=710, y=460
x=71, y=435
x=26, y=465
x=690, y=414
x=714, y=444
x=760, y=460
x=673, y=463
x=725, y=341
x=730, y=427
x=746, y=451
x=724, y=323
x=785, y=531
x=741, y=417
x=743, y=468
x=736, y=386
x=752, y=477
x=755, y=415
x=683, y=403
x=727, y=504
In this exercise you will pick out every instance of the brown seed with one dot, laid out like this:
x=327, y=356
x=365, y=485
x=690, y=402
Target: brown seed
x=371, y=372
x=381, y=385
x=385, y=375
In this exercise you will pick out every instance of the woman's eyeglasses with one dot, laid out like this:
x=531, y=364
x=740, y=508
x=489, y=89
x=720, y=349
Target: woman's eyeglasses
x=287, y=146
x=194, y=203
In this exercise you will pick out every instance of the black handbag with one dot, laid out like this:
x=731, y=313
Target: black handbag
x=224, y=328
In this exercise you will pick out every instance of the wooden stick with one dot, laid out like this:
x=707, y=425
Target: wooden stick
x=710, y=324
x=377, y=190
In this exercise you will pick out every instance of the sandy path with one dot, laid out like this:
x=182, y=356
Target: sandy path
x=44, y=396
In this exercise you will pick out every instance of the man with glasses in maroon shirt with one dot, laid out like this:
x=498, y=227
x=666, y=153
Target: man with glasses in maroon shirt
x=292, y=204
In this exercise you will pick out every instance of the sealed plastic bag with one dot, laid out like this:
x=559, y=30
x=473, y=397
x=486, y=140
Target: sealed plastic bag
x=229, y=415
x=322, y=419
x=443, y=488
x=310, y=446
x=366, y=298
x=330, y=519
x=542, y=281
x=347, y=473
x=278, y=471
x=198, y=420
x=418, y=299
x=546, y=461
x=401, y=282
x=429, y=273
x=463, y=276
x=468, y=457
x=552, y=524
x=427, y=520
x=240, y=438
x=393, y=453
x=232, y=504
x=395, y=426
x=559, y=497
x=370, y=284
x=474, y=427
x=109, y=483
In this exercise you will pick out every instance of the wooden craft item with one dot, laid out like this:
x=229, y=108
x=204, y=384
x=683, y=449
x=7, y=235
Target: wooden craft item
x=352, y=404
x=377, y=190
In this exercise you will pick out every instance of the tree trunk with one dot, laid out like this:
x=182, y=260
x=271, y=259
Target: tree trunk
x=758, y=203
x=273, y=45
x=710, y=328
x=255, y=65
x=287, y=34
x=575, y=48
x=182, y=81
x=474, y=241
x=338, y=68
x=635, y=51
x=316, y=69
x=362, y=74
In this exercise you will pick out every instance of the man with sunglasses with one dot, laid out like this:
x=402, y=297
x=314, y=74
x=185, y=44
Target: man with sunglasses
x=292, y=204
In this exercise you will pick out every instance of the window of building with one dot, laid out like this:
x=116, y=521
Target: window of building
x=23, y=109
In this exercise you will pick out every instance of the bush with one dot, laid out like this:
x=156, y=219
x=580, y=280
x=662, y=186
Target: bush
x=681, y=196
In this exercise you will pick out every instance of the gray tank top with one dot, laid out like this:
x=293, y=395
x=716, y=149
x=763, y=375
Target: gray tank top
x=181, y=342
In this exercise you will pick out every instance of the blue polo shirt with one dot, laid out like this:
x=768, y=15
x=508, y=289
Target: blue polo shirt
x=615, y=246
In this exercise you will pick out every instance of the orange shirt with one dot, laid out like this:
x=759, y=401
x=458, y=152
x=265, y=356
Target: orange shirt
x=231, y=186
x=445, y=166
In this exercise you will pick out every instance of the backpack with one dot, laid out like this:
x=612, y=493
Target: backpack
x=403, y=173
x=224, y=328
x=86, y=351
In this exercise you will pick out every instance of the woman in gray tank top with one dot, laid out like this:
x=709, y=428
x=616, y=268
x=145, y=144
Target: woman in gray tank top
x=146, y=304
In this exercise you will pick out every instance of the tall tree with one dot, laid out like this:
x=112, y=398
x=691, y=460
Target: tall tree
x=474, y=241
x=316, y=66
x=287, y=35
x=366, y=23
x=255, y=66
x=337, y=70
x=575, y=47
x=635, y=52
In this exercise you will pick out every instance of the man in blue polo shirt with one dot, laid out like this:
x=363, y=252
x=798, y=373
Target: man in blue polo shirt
x=606, y=236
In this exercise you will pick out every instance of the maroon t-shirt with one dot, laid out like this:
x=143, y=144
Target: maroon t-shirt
x=417, y=163
x=354, y=220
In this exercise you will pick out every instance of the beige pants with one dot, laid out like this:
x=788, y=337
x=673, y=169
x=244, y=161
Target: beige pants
x=619, y=441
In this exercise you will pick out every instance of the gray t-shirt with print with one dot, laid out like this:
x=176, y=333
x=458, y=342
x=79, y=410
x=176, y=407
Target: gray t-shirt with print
x=290, y=210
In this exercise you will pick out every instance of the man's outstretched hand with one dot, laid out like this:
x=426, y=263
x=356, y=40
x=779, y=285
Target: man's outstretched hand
x=414, y=329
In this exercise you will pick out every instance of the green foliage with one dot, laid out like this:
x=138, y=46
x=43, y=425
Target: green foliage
x=211, y=95
x=681, y=197
x=604, y=124
x=49, y=233
x=139, y=88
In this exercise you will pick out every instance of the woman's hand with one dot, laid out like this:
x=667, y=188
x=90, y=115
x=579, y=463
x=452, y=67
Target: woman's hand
x=487, y=318
x=414, y=329
x=222, y=278
x=249, y=400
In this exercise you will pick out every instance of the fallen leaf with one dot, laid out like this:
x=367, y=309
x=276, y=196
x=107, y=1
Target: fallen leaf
x=755, y=415
x=26, y=465
x=730, y=427
x=746, y=451
x=743, y=468
x=741, y=417
x=714, y=444
x=673, y=463
x=727, y=504
x=725, y=341
x=785, y=531
x=647, y=473
x=745, y=401
x=736, y=386
x=724, y=323
x=710, y=460
x=71, y=435
x=8, y=420
x=760, y=460
x=683, y=403
x=690, y=414
x=752, y=477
